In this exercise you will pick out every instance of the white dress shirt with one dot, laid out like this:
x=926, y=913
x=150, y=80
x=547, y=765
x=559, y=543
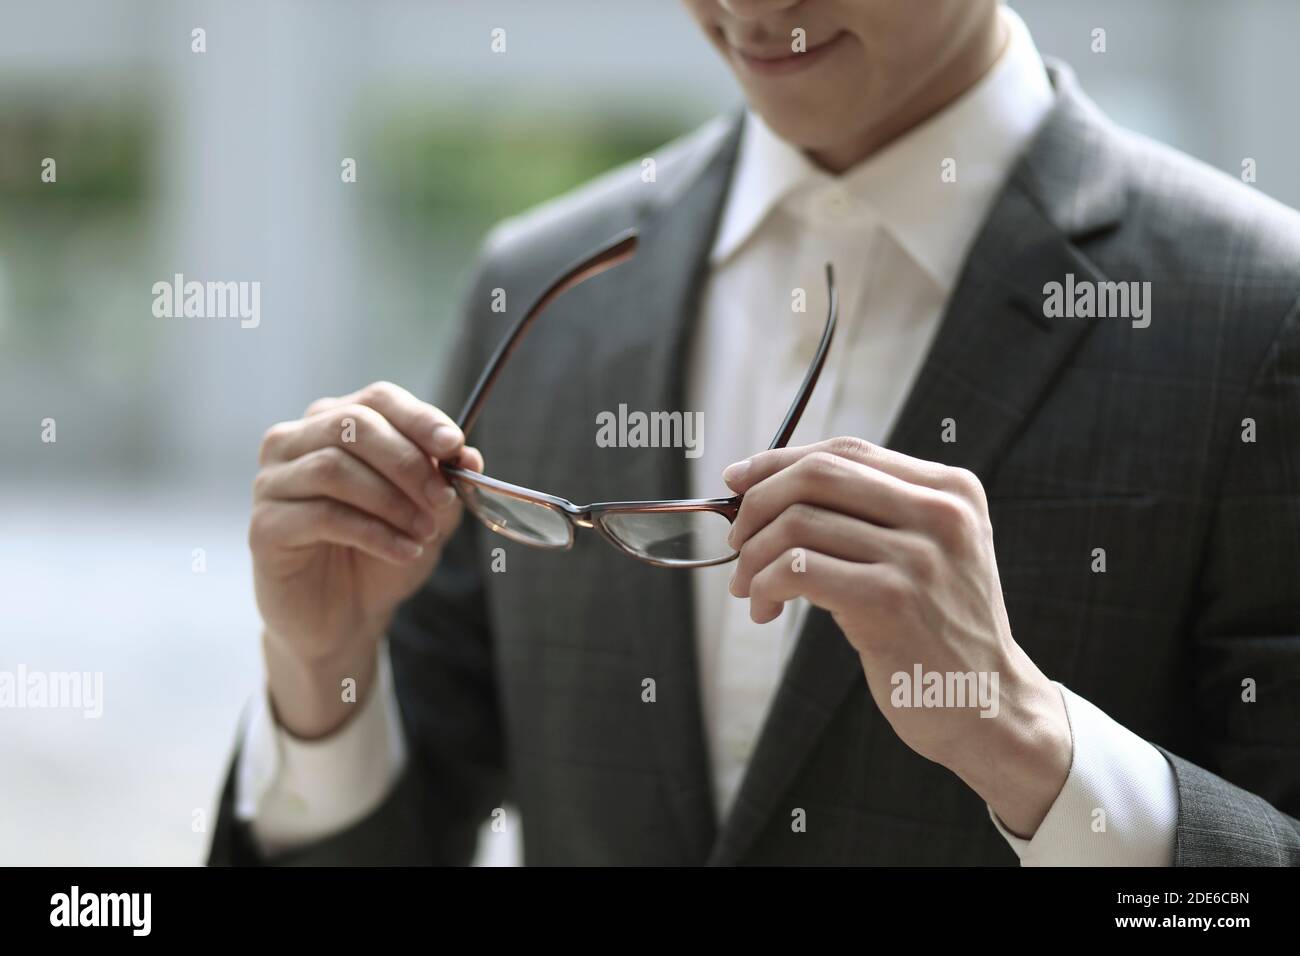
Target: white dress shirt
x=897, y=233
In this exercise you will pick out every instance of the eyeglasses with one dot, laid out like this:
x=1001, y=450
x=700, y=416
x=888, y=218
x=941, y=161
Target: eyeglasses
x=681, y=533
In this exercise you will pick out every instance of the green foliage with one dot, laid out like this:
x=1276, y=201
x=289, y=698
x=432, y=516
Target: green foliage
x=101, y=152
x=457, y=169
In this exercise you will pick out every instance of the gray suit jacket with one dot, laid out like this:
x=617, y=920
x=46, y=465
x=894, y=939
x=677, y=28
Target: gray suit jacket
x=524, y=686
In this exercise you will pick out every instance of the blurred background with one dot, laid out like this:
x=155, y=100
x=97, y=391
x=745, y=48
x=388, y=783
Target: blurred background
x=122, y=543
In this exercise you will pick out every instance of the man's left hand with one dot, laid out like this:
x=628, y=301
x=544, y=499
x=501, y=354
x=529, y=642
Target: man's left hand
x=900, y=552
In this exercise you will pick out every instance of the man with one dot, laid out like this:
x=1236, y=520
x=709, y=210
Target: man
x=1054, y=453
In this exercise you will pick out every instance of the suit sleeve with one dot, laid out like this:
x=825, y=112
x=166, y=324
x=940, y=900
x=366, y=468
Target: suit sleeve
x=1239, y=789
x=442, y=664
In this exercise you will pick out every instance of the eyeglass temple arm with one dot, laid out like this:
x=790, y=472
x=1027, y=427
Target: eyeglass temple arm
x=615, y=252
x=792, y=417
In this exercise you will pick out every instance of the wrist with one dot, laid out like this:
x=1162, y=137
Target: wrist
x=1024, y=765
x=310, y=698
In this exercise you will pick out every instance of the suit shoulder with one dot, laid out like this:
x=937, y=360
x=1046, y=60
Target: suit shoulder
x=548, y=236
x=1193, y=217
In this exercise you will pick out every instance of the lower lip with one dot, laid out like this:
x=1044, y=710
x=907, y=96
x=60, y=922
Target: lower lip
x=789, y=64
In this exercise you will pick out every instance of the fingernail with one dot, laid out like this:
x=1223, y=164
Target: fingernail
x=408, y=548
x=736, y=472
x=425, y=526
x=445, y=439
x=440, y=495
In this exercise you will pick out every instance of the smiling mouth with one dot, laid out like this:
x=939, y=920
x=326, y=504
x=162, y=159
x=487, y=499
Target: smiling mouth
x=779, y=62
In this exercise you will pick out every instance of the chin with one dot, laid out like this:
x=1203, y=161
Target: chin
x=807, y=128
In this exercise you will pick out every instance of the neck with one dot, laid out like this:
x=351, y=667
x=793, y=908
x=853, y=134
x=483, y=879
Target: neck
x=974, y=59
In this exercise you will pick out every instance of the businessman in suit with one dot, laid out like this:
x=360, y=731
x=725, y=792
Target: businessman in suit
x=1090, y=499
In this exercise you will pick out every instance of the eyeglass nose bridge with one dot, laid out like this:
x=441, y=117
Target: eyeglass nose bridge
x=585, y=517
x=580, y=516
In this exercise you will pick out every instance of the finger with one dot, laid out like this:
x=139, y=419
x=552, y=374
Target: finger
x=831, y=482
x=302, y=524
x=742, y=476
x=363, y=432
x=323, y=404
x=445, y=500
x=333, y=473
x=427, y=425
x=471, y=459
x=811, y=528
x=826, y=582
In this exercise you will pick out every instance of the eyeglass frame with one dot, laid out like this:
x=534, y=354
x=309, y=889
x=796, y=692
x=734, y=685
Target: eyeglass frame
x=614, y=252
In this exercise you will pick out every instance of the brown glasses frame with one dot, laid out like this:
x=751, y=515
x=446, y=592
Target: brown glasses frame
x=616, y=251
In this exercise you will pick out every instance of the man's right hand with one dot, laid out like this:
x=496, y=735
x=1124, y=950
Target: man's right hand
x=350, y=514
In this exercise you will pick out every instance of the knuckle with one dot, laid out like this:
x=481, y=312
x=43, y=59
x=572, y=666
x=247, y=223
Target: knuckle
x=326, y=466
x=966, y=483
x=274, y=439
x=894, y=593
x=820, y=465
x=944, y=514
x=798, y=521
x=361, y=414
x=380, y=391
x=850, y=446
x=260, y=528
x=423, y=419
x=355, y=423
x=822, y=461
x=260, y=482
x=758, y=552
x=318, y=406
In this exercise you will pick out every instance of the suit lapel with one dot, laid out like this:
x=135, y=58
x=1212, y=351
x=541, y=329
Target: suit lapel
x=996, y=354
x=993, y=359
x=644, y=365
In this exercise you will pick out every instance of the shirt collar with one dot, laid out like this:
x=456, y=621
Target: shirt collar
x=902, y=187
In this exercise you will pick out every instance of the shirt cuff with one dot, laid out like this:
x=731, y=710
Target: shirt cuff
x=294, y=792
x=1119, y=805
